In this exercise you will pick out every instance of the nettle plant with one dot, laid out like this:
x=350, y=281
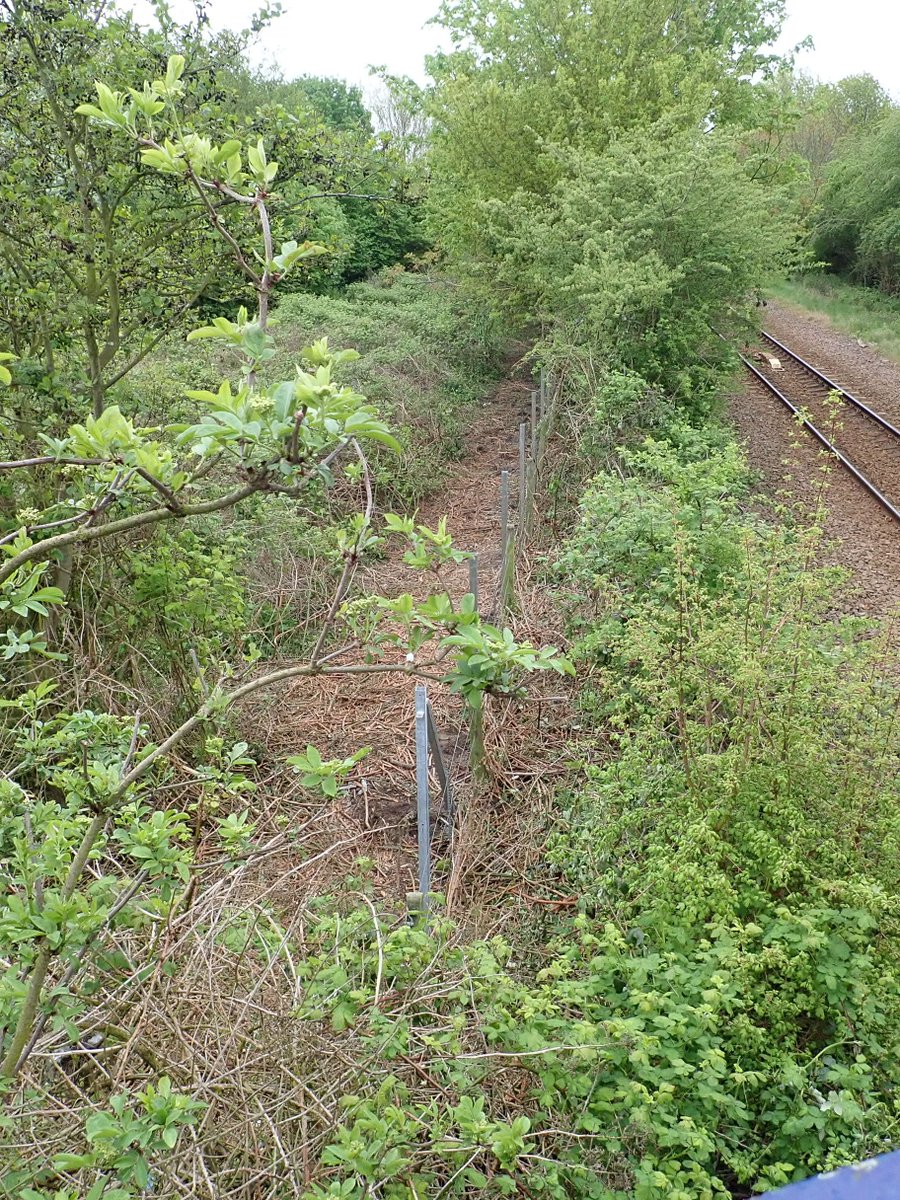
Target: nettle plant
x=89, y=855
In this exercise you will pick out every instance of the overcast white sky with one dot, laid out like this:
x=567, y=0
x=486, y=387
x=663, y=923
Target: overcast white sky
x=850, y=38
x=342, y=37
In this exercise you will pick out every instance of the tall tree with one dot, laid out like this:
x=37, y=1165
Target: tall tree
x=524, y=76
x=828, y=116
x=589, y=160
x=857, y=226
x=98, y=260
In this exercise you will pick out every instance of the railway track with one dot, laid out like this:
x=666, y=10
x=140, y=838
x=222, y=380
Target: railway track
x=869, y=447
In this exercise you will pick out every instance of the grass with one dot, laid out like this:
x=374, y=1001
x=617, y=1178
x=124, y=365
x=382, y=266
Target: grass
x=861, y=312
x=428, y=355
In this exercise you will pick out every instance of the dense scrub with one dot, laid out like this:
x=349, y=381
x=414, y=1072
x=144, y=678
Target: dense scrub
x=138, y=622
x=739, y=837
x=720, y=1015
x=841, y=139
x=857, y=230
x=134, y=548
x=624, y=207
x=427, y=353
x=711, y=1009
x=100, y=258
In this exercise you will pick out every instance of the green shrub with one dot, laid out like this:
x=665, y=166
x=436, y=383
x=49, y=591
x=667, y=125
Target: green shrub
x=428, y=355
x=720, y=1017
x=738, y=850
x=857, y=228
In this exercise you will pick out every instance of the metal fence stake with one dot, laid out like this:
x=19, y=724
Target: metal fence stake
x=534, y=397
x=530, y=482
x=423, y=799
x=504, y=536
x=473, y=578
x=417, y=907
x=437, y=757
x=523, y=434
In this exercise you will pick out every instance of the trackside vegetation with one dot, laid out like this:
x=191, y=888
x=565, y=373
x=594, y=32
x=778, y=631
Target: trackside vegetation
x=245, y=334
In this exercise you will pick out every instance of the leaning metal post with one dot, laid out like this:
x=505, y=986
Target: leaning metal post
x=504, y=542
x=423, y=799
x=523, y=441
x=437, y=757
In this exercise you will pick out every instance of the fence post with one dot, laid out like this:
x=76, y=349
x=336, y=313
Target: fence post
x=476, y=740
x=522, y=442
x=530, y=487
x=423, y=798
x=504, y=541
x=473, y=578
x=437, y=758
x=544, y=421
x=532, y=467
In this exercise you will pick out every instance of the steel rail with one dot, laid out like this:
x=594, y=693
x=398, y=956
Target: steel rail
x=829, y=446
x=834, y=387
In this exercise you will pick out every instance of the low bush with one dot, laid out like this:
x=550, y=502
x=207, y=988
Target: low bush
x=428, y=353
x=737, y=851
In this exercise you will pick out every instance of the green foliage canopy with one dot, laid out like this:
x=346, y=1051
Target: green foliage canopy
x=590, y=160
x=857, y=229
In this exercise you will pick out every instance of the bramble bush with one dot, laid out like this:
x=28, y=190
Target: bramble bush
x=743, y=836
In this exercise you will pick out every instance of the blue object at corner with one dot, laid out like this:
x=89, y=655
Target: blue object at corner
x=876, y=1179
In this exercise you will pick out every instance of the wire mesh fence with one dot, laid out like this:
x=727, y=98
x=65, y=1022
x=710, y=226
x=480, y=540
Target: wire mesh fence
x=516, y=526
x=533, y=439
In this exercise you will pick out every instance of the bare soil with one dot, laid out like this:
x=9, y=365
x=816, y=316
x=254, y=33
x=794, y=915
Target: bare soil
x=795, y=471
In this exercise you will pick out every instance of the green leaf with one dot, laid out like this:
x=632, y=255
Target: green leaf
x=72, y=1162
x=141, y=1169
x=227, y=150
x=174, y=68
x=91, y=110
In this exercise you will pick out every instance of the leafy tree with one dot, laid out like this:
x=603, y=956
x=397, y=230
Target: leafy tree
x=525, y=77
x=828, y=118
x=98, y=259
x=383, y=233
x=336, y=103
x=366, y=206
x=589, y=162
x=326, y=101
x=857, y=227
